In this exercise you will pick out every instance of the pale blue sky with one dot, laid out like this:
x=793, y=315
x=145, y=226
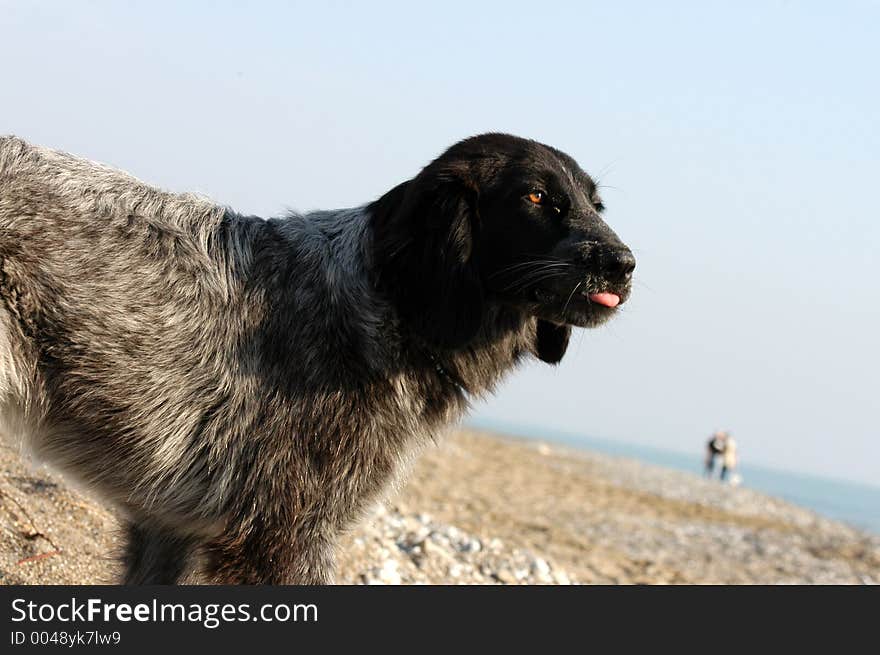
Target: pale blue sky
x=738, y=143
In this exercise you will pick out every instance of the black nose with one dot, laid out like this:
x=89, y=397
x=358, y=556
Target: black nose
x=618, y=264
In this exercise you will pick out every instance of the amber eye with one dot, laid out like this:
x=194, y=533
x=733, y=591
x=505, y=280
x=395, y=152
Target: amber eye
x=537, y=197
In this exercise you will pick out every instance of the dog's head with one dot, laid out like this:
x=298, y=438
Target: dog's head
x=504, y=220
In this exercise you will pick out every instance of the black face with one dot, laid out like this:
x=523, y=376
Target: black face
x=499, y=220
x=543, y=244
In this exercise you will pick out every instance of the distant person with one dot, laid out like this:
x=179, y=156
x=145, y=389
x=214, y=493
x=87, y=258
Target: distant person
x=714, y=448
x=728, y=460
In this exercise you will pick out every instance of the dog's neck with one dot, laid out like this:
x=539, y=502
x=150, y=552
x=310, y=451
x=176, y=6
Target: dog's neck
x=504, y=338
x=330, y=255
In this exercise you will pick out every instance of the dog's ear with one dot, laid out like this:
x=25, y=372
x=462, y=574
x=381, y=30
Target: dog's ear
x=423, y=251
x=551, y=341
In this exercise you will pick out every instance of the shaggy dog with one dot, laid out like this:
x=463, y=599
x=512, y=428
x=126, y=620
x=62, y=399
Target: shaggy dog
x=243, y=389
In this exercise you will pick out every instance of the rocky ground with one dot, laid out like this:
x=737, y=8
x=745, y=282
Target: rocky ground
x=481, y=509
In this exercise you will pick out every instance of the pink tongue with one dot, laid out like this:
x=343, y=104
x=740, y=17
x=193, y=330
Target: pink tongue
x=607, y=299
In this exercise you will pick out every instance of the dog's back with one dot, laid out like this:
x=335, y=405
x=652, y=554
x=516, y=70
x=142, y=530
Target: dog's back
x=102, y=280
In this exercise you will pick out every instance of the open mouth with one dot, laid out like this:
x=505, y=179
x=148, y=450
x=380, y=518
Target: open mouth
x=581, y=308
x=603, y=298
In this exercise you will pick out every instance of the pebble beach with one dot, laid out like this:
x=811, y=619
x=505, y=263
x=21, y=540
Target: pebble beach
x=485, y=509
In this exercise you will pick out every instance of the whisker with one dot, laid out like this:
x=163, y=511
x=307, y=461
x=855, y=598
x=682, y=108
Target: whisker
x=554, y=270
x=536, y=264
x=570, y=296
x=606, y=169
x=531, y=280
x=521, y=284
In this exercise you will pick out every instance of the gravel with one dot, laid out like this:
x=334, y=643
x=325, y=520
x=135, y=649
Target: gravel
x=482, y=509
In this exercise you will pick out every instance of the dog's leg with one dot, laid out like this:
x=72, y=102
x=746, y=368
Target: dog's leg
x=154, y=556
x=267, y=556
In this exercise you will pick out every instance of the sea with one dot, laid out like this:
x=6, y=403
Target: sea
x=849, y=502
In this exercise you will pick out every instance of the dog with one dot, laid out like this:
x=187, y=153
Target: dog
x=242, y=390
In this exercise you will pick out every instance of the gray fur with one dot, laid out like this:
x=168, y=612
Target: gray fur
x=235, y=386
